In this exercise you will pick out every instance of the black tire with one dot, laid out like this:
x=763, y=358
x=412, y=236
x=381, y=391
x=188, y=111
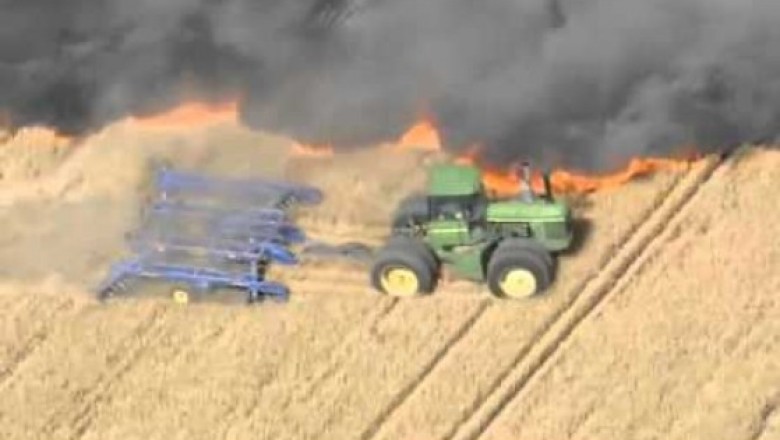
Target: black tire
x=532, y=246
x=518, y=261
x=105, y=294
x=415, y=245
x=407, y=259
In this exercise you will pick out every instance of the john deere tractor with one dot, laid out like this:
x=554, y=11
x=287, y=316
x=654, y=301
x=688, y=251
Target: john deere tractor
x=508, y=243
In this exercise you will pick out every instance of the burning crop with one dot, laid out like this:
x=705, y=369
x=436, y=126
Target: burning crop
x=190, y=114
x=424, y=136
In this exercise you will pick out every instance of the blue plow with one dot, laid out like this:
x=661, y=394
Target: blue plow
x=190, y=187
x=209, y=233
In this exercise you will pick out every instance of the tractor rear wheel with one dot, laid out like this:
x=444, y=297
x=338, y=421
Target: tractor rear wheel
x=410, y=244
x=532, y=246
x=402, y=269
x=518, y=272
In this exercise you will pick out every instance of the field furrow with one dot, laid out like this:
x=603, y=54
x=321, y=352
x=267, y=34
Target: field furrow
x=769, y=424
x=27, y=326
x=144, y=337
x=404, y=393
x=74, y=367
x=170, y=345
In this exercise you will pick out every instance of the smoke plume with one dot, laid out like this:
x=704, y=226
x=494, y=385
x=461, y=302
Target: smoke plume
x=580, y=83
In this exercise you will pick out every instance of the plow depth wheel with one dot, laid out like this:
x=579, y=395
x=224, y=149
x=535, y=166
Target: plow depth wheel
x=181, y=296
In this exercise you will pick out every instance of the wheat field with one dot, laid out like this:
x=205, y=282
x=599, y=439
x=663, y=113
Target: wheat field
x=662, y=324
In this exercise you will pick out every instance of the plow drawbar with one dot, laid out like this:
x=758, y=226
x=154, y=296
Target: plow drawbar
x=208, y=233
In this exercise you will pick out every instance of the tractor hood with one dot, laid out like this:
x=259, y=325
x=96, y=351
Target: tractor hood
x=520, y=211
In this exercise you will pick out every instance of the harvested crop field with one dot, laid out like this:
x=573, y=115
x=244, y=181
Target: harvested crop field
x=662, y=324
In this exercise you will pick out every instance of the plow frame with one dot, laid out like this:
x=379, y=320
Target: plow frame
x=209, y=232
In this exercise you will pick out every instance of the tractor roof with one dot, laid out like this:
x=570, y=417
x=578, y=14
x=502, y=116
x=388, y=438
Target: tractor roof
x=454, y=180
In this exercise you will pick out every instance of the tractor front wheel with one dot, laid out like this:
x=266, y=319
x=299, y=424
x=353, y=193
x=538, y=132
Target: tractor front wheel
x=402, y=271
x=515, y=272
x=407, y=244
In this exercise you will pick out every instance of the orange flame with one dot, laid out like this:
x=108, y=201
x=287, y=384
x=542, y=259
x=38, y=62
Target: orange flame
x=567, y=182
x=421, y=136
x=35, y=134
x=424, y=135
x=313, y=151
x=191, y=114
x=508, y=182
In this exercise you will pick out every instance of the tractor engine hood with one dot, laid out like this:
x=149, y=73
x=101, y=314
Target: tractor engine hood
x=516, y=211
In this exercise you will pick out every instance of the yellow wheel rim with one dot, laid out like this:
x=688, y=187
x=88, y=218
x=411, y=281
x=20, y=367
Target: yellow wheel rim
x=518, y=283
x=181, y=297
x=399, y=281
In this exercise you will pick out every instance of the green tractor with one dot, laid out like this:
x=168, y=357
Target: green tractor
x=508, y=243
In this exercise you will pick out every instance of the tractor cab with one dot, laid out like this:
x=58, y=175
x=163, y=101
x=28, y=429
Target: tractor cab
x=457, y=192
x=457, y=204
x=470, y=208
x=456, y=209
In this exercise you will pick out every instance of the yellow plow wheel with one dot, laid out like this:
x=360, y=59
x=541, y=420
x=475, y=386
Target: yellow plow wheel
x=180, y=296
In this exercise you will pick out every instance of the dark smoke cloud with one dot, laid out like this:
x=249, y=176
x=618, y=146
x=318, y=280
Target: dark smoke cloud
x=583, y=83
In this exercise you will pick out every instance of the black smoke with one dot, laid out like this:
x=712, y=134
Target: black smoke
x=582, y=83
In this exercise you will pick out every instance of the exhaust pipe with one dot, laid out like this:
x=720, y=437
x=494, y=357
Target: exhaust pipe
x=527, y=193
x=547, y=185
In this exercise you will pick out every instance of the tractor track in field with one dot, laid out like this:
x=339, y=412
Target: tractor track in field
x=127, y=354
x=428, y=368
x=235, y=414
x=768, y=413
x=622, y=259
x=347, y=233
x=34, y=341
x=375, y=316
x=85, y=417
x=596, y=290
